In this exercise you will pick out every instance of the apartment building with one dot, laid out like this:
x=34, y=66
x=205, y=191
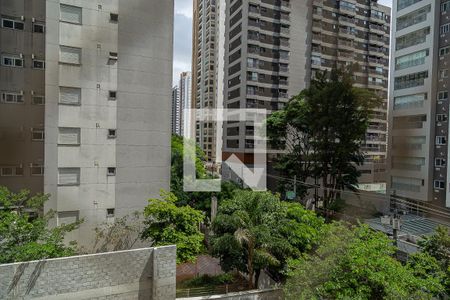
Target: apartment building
x=358, y=32
x=265, y=64
x=186, y=103
x=176, y=110
x=275, y=47
x=204, y=73
x=419, y=102
x=85, y=95
x=22, y=94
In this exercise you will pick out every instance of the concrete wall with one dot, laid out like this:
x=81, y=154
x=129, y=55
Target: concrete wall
x=147, y=273
x=269, y=294
x=140, y=112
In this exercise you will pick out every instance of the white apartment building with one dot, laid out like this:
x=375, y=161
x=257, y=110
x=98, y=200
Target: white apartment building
x=107, y=114
x=418, y=121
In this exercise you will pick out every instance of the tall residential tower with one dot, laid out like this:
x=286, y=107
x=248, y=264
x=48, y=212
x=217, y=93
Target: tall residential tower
x=22, y=94
x=420, y=83
x=85, y=96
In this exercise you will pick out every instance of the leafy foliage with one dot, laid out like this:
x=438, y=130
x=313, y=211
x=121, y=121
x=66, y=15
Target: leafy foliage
x=438, y=246
x=322, y=130
x=168, y=224
x=207, y=280
x=255, y=231
x=197, y=200
x=24, y=231
x=358, y=263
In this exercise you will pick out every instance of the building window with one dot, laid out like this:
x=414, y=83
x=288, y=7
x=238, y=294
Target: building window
x=413, y=18
x=114, y=17
x=445, y=28
x=439, y=184
x=112, y=95
x=409, y=101
x=38, y=64
x=71, y=14
x=411, y=60
x=412, y=39
x=445, y=6
x=13, y=24
x=444, y=51
x=11, y=171
x=113, y=56
x=68, y=176
x=38, y=100
x=70, y=95
x=410, y=80
x=112, y=133
x=69, y=136
x=440, y=162
x=12, y=61
x=111, y=171
x=110, y=212
x=443, y=95
x=37, y=170
x=441, y=140
x=37, y=134
x=70, y=55
x=38, y=28
x=441, y=118
x=11, y=97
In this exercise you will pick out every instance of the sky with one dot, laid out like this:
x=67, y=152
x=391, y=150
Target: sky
x=183, y=36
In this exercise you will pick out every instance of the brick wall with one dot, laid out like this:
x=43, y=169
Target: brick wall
x=135, y=274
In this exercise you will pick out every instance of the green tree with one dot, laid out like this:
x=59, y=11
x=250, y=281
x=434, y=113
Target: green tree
x=322, y=130
x=168, y=224
x=24, y=229
x=254, y=231
x=358, y=263
x=438, y=246
x=197, y=200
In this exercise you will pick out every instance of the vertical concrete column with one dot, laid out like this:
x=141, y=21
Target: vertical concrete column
x=164, y=273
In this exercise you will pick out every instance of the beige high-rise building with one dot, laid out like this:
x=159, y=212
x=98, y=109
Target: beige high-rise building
x=94, y=78
x=419, y=110
x=204, y=76
x=272, y=49
x=22, y=94
x=358, y=32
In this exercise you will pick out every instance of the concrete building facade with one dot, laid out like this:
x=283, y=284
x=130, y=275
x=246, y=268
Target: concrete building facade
x=274, y=48
x=357, y=32
x=418, y=108
x=204, y=72
x=107, y=118
x=186, y=104
x=22, y=94
x=176, y=110
x=266, y=45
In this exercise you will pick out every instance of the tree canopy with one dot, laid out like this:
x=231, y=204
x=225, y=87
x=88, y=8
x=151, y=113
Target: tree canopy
x=24, y=231
x=197, y=200
x=168, y=224
x=254, y=231
x=358, y=263
x=322, y=130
